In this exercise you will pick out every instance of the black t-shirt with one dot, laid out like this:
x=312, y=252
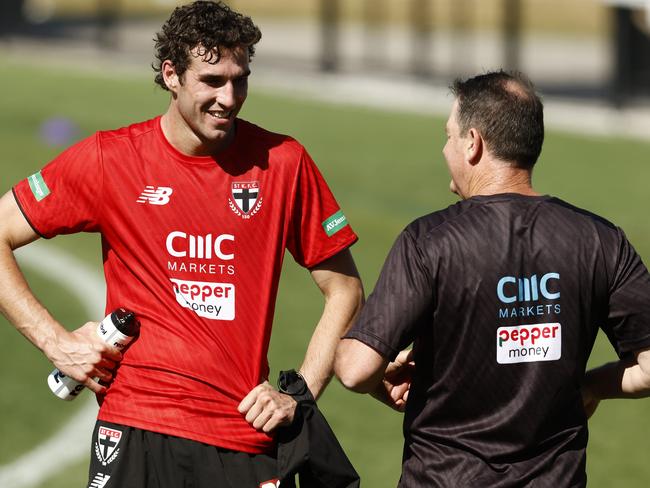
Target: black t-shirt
x=502, y=297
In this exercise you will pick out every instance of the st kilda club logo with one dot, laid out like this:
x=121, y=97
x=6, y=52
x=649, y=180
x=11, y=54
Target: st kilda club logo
x=245, y=200
x=106, y=444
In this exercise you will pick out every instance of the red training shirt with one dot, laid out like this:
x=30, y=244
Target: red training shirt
x=193, y=245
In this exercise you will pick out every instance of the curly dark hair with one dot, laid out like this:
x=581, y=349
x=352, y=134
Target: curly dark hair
x=210, y=26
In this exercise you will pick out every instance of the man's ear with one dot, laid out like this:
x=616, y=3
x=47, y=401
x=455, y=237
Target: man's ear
x=172, y=80
x=474, y=146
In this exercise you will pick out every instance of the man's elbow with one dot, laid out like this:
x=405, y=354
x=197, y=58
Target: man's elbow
x=352, y=372
x=354, y=381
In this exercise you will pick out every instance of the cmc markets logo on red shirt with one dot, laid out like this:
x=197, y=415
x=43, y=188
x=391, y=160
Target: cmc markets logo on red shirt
x=245, y=200
x=182, y=245
x=211, y=300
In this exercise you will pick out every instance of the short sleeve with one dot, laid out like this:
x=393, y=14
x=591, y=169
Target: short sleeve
x=319, y=228
x=628, y=321
x=401, y=301
x=65, y=196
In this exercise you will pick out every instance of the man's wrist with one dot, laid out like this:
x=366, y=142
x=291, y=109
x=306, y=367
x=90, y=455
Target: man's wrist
x=292, y=383
x=50, y=339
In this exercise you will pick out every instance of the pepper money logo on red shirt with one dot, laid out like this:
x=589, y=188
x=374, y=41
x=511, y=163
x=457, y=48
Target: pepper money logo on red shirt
x=197, y=254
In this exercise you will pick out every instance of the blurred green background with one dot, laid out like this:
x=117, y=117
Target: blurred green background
x=385, y=168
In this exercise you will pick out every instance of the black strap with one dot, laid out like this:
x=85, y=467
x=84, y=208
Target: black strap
x=293, y=383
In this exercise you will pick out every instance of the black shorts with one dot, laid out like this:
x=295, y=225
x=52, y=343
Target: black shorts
x=126, y=457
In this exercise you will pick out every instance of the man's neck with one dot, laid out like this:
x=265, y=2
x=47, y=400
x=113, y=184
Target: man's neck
x=181, y=136
x=502, y=178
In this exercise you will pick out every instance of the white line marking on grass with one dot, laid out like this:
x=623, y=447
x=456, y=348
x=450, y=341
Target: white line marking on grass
x=72, y=441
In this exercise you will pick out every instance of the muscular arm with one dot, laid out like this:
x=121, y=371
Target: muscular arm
x=620, y=379
x=338, y=279
x=80, y=354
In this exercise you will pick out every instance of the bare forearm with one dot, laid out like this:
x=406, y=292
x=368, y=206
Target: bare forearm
x=620, y=379
x=340, y=311
x=21, y=308
x=81, y=354
x=17, y=302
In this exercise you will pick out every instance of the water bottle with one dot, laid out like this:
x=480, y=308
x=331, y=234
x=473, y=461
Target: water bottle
x=118, y=329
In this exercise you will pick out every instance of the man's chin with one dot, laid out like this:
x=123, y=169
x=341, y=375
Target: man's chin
x=223, y=125
x=221, y=132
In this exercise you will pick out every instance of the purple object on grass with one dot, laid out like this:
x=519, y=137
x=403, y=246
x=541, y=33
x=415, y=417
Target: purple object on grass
x=59, y=131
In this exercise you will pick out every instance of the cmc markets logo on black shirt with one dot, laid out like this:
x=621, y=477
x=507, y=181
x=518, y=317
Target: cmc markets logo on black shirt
x=525, y=291
x=530, y=342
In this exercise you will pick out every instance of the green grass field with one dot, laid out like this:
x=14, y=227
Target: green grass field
x=385, y=169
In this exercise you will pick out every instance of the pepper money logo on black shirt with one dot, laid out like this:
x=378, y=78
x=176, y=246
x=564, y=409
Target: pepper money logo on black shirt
x=530, y=342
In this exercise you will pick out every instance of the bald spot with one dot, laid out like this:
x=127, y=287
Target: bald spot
x=515, y=88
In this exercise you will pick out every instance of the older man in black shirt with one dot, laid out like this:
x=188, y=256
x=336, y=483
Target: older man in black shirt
x=502, y=295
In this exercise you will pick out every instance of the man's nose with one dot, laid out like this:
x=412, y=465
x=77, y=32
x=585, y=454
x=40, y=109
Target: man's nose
x=226, y=97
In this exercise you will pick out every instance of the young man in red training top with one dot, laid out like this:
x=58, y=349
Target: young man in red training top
x=195, y=209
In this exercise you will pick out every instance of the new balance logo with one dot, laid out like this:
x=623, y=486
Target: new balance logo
x=99, y=481
x=155, y=195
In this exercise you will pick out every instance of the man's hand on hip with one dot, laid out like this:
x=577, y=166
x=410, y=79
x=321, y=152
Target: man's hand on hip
x=266, y=408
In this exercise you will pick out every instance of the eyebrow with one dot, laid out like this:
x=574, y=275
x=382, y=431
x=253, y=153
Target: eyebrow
x=210, y=76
